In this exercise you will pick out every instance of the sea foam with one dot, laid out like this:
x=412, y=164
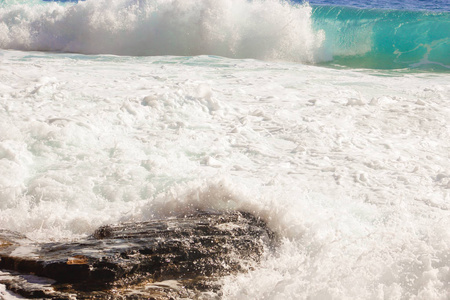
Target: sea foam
x=269, y=29
x=349, y=168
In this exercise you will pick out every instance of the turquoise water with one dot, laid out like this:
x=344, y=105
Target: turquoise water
x=375, y=38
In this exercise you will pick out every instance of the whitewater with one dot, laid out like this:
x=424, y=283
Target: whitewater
x=222, y=106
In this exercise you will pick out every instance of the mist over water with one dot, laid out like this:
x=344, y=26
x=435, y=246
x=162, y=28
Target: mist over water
x=232, y=28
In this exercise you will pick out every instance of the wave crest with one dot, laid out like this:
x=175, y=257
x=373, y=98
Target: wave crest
x=266, y=29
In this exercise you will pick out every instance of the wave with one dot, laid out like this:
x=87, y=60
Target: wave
x=267, y=29
x=390, y=39
x=263, y=29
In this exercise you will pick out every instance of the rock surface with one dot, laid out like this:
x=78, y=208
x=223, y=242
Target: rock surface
x=178, y=257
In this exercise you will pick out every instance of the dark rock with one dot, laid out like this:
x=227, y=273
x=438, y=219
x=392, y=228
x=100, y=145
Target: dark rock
x=168, y=258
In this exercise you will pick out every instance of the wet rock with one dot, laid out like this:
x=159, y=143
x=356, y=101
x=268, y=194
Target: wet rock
x=169, y=258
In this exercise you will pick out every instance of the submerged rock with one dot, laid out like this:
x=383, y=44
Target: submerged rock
x=169, y=258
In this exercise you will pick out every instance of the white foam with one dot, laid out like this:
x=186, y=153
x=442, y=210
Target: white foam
x=269, y=29
x=358, y=194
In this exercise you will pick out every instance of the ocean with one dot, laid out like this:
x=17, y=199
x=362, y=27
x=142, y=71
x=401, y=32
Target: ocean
x=329, y=120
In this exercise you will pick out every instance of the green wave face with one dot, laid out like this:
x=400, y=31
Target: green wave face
x=385, y=39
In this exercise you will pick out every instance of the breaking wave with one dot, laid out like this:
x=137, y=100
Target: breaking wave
x=263, y=29
x=232, y=28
